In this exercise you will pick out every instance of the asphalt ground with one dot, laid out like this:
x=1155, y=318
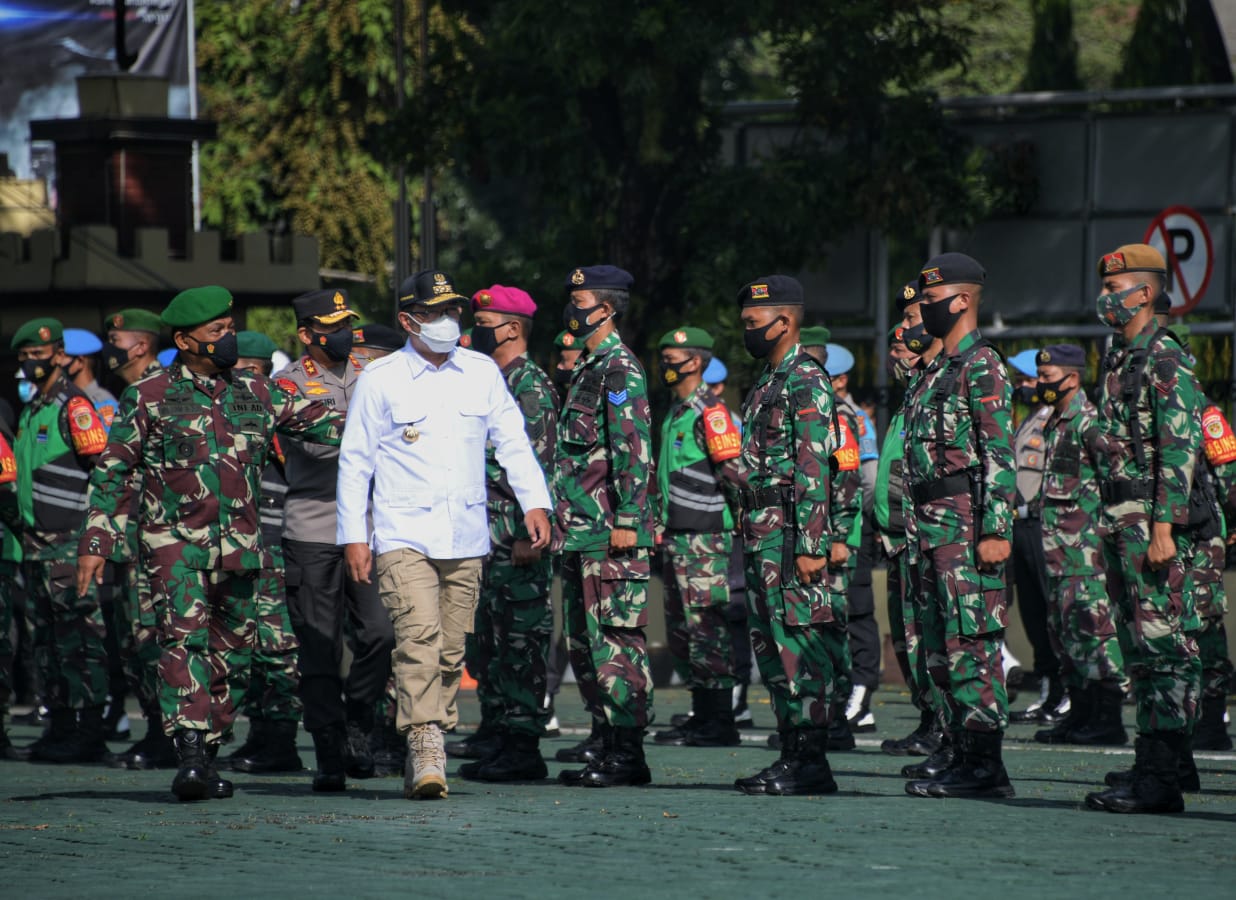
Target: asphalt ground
x=77, y=831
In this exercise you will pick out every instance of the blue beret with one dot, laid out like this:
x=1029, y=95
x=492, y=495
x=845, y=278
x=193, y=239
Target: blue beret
x=771, y=290
x=599, y=278
x=1069, y=355
x=1026, y=362
x=80, y=342
x=166, y=356
x=715, y=372
x=950, y=268
x=840, y=360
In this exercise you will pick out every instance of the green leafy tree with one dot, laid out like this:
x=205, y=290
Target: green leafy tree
x=1052, y=65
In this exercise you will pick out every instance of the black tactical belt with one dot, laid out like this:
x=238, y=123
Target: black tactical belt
x=763, y=498
x=1124, y=491
x=939, y=488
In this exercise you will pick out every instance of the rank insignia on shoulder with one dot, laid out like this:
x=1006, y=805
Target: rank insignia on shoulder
x=617, y=398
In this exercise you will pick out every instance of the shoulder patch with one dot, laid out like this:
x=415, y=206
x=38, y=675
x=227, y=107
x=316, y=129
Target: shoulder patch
x=721, y=436
x=529, y=403
x=85, y=429
x=8, y=462
x=288, y=385
x=847, y=455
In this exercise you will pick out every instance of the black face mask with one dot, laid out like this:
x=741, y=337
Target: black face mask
x=562, y=378
x=114, y=358
x=936, y=317
x=916, y=339
x=337, y=345
x=1051, y=391
x=671, y=373
x=224, y=352
x=1028, y=395
x=37, y=370
x=757, y=341
x=483, y=339
x=576, y=320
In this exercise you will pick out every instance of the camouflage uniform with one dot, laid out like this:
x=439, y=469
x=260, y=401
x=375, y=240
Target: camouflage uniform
x=10, y=557
x=515, y=617
x=1079, y=615
x=697, y=467
x=195, y=473
x=961, y=479
x=845, y=511
x=1149, y=418
x=798, y=630
x=602, y=470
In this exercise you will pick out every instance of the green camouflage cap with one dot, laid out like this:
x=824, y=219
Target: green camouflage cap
x=255, y=345
x=687, y=337
x=197, y=305
x=37, y=332
x=135, y=320
x=814, y=336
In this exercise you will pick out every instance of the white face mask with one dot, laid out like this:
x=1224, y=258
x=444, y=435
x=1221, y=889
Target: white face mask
x=440, y=335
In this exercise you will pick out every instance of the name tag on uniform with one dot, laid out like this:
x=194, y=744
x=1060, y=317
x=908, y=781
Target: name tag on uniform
x=174, y=409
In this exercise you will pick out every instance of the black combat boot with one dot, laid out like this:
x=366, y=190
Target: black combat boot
x=714, y=722
x=494, y=745
x=155, y=750
x=980, y=774
x=1081, y=701
x=680, y=734
x=389, y=749
x=484, y=743
x=1155, y=783
x=7, y=750
x=623, y=765
x=519, y=760
x=922, y=741
x=85, y=745
x=947, y=756
x=588, y=749
x=62, y=725
x=358, y=760
x=218, y=788
x=254, y=741
x=1210, y=732
x=758, y=783
x=604, y=734
x=1105, y=727
x=277, y=752
x=1045, y=710
x=808, y=772
x=192, y=781
x=840, y=737
x=328, y=746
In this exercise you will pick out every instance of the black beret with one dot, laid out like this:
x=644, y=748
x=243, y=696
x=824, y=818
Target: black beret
x=771, y=290
x=599, y=278
x=950, y=268
x=328, y=306
x=907, y=295
x=431, y=288
x=1070, y=356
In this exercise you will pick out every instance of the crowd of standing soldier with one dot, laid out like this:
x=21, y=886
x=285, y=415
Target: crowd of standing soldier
x=219, y=541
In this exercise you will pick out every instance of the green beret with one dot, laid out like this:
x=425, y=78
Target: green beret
x=814, y=336
x=255, y=345
x=566, y=341
x=135, y=320
x=687, y=337
x=894, y=336
x=197, y=305
x=37, y=332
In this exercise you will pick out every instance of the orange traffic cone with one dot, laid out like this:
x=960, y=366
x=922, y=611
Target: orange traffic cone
x=467, y=682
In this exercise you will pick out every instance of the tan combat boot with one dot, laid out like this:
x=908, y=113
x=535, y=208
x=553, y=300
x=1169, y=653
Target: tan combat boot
x=425, y=773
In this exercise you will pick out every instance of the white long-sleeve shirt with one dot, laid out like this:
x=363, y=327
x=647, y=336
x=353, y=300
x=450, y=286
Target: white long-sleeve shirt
x=419, y=433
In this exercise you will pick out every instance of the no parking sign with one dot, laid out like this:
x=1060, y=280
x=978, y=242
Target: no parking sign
x=1181, y=235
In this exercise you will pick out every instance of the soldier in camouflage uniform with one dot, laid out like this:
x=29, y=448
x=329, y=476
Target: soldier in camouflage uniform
x=1079, y=617
x=602, y=472
x=797, y=623
x=270, y=701
x=59, y=437
x=960, y=477
x=1150, y=422
x=514, y=616
x=189, y=446
x=130, y=354
x=697, y=477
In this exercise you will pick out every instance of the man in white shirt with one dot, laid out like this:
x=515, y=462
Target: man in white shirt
x=417, y=428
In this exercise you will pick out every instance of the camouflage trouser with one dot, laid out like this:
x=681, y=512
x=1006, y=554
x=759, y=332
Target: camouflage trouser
x=697, y=592
x=8, y=590
x=274, y=680
x=68, y=636
x=926, y=647
x=1082, y=629
x=967, y=615
x=605, y=611
x=514, y=628
x=1210, y=600
x=207, y=635
x=905, y=631
x=838, y=579
x=1154, y=615
x=800, y=640
x=137, y=631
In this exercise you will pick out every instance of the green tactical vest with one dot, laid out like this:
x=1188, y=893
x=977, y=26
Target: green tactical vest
x=691, y=497
x=51, y=500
